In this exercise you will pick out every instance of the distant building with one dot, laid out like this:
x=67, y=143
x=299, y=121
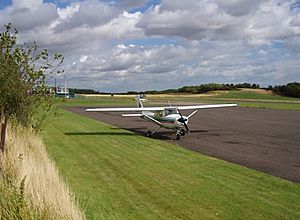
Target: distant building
x=62, y=92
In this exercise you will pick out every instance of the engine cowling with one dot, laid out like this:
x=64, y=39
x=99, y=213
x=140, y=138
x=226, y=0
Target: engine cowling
x=182, y=119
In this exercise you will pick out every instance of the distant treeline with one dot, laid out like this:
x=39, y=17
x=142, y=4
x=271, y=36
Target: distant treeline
x=83, y=91
x=203, y=88
x=291, y=89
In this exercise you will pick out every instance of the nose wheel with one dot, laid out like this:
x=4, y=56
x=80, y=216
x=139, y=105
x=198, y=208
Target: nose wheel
x=182, y=132
x=179, y=133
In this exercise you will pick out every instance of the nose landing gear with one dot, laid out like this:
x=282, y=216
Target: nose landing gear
x=179, y=133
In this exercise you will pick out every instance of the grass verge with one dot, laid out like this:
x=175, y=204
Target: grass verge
x=119, y=175
x=30, y=185
x=97, y=101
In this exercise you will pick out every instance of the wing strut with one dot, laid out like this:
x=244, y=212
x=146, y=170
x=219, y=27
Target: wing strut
x=190, y=115
x=152, y=119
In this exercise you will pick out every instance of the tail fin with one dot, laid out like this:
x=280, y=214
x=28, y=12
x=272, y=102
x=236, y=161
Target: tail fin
x=139, y=101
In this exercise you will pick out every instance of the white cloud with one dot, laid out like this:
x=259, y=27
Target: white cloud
x=91, y=34
x=88, y=14
x=293, y=44
x=131, y=3
x=196, y=41
x=262, y=52
x=25, y=16
x=31, y=4
x=256, y=21
x=239, y=7
x=197, y=22
x=83, y=58
x=68, y=12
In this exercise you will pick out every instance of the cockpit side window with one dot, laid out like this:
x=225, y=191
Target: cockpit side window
x=160, y=114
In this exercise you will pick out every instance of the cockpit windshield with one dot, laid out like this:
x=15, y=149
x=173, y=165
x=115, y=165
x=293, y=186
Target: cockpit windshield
x=170, y=111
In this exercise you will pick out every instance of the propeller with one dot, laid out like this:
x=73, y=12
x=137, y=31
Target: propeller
x=183, y=121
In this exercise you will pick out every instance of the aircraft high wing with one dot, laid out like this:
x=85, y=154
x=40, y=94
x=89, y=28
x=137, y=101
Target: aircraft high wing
x=192, y=107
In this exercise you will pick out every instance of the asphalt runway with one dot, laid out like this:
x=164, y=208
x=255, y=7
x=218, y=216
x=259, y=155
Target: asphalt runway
x=262, y=139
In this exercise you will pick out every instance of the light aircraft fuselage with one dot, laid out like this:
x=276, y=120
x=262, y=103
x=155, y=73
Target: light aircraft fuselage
x=167, y=120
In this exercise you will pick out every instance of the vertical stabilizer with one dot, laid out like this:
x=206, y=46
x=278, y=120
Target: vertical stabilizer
x=139, y=101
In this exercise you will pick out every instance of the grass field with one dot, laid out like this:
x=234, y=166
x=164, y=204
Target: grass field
x=117, y=174
x=251, y=99
x=253, y=94
x=97, y=101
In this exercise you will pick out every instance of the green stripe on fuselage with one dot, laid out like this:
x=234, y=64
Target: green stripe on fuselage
x=164, y=119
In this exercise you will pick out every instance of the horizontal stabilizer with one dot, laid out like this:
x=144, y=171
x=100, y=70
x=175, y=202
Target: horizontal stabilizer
x=124, y=109
x=132, y=115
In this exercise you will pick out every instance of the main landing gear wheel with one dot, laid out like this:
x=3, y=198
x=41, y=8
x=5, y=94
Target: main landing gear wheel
x=149, y=134
x=177, y=136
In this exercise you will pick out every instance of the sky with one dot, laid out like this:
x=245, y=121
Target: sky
x=138, y=45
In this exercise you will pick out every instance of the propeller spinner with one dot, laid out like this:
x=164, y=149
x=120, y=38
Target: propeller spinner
x=183, y=120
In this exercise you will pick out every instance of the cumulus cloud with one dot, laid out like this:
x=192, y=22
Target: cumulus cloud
x=170, y=66
x=127, y=4
x=175, y=43
x=239, y=7
x=256, y=21
x=195, y=21
x=273, y=22
x=90, y=34
x=33, y=4
x=293, y=44
x=29, y=14
x=127, y=65
x=138, y=59
x=89, y=14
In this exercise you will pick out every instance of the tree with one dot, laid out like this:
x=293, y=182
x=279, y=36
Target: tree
x=24, y=97
x=291, y=89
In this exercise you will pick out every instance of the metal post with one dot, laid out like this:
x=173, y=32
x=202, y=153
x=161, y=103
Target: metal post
x=3, y=129
x=3, y=134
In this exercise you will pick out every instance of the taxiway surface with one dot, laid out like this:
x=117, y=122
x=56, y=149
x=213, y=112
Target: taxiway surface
x=262, y=139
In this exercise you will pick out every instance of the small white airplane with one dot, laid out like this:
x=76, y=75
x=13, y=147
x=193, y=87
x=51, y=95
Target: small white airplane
x=167, y=117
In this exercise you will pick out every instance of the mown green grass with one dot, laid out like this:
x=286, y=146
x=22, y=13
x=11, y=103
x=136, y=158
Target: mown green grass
x=270, y=105
x=96, y=101
x=241, y=103
x=241, y=94
x=250, y=99
x=116, y=174
x=90, y=102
